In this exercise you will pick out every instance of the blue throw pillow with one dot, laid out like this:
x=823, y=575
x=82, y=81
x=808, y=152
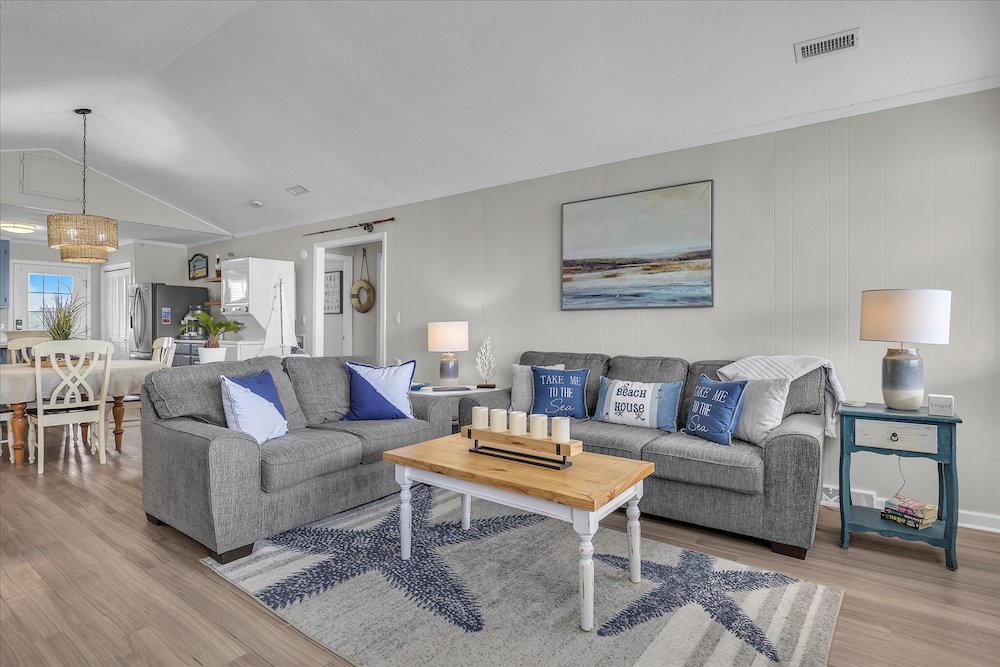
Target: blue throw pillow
x=380, y=393
x=252, y=406
x=560, y=393
x=715, y=410
x=647, y=404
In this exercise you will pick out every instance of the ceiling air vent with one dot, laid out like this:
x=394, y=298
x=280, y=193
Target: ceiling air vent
x=849, y=39
x=298, y=189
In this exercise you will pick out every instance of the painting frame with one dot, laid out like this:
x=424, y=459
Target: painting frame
x=697, y=262
x=333, y=293
x=198, y=266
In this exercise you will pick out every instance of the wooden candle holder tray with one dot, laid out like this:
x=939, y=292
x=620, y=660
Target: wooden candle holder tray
x=545, y=453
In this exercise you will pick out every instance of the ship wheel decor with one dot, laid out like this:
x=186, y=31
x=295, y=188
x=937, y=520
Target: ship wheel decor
x=362, y=291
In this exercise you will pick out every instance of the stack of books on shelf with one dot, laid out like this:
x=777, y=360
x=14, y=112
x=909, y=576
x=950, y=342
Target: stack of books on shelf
x=910, y=512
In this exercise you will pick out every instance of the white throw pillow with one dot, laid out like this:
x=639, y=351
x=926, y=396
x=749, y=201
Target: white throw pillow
x=522, y=388
x=763, y=408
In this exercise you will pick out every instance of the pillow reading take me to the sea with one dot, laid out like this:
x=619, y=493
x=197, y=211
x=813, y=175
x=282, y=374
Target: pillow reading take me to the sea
x=647, y=404
x=252, y=406
x=715, y=410
x=380, y=393
x=560, y=393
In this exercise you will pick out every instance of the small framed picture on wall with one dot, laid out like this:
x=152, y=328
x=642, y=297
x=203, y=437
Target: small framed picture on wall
x=333, y=292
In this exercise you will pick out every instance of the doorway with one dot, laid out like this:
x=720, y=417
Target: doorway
x=367, y=335
x=116, y=280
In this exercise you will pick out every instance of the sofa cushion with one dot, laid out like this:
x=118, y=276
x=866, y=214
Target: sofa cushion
x=597, y=364
x=686, y=458
x=612, y=439
x=195, y=391
x=306, y=453
x=378, y=437
x=647, y=369
x=322, y=386
x=807, y=395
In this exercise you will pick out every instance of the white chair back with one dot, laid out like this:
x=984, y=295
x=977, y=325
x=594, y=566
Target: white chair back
x=78, y=363
x=163, y=350
x=19, y=349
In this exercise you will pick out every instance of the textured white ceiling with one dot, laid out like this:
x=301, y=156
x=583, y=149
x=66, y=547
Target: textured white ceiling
x=206, y=105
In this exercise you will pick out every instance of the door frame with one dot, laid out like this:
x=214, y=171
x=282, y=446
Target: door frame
x=381, y=304
x=62, y=265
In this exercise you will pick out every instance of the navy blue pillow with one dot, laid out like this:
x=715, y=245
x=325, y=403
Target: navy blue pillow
x=560, y=393
x=715, y=410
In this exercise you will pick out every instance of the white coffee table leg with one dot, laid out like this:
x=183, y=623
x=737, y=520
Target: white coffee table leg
x=405, y=512
x=634, y=541
x=585, y=524
x=466, y=511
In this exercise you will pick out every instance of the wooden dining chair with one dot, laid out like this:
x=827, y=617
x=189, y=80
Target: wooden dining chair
x=19, y=349
x=163, y=350
x=75, y=398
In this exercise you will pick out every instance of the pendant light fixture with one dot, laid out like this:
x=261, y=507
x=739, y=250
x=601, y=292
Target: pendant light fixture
x=82, y=238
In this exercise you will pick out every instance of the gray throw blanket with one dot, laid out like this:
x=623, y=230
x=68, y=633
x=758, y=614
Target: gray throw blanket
x=791, y=367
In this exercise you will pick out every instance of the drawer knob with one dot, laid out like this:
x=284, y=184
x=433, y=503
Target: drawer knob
x=894, y=437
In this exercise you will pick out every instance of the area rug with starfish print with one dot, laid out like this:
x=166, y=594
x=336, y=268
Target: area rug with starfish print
x=505, y=592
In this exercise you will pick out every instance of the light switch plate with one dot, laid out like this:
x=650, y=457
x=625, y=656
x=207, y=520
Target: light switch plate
x=941, y=405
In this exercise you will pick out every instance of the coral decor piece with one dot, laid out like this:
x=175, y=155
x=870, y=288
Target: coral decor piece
x=486, y=364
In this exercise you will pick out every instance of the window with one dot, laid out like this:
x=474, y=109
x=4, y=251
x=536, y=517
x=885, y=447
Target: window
x=44, y=291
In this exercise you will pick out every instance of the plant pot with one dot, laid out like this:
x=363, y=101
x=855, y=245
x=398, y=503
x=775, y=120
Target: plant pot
x=208, y=355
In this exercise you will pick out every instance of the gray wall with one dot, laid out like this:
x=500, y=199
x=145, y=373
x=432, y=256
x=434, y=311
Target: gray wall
x=805, y=219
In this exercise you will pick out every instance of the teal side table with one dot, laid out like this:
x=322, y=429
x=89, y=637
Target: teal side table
x=911, y=433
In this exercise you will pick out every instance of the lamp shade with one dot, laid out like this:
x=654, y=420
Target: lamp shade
x=447, y=336
x=906, y=315
x=82, y=229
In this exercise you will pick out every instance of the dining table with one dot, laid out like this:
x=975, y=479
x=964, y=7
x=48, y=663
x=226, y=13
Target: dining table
x=17, y=389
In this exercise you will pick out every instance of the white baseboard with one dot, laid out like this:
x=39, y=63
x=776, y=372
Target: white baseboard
x=966, y=518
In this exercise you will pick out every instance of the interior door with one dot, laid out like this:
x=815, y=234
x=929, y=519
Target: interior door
x=37, y=286
x=115, y=295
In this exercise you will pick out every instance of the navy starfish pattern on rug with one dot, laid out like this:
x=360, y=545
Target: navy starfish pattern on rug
x=425, y=578
x=694, y=580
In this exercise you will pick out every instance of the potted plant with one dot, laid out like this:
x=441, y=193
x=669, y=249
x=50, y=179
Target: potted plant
x=61, y=319
x=214, y=328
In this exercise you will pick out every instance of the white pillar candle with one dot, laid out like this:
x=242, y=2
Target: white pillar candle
x=498, y=420
x=539, y=427
x=560, y=429
x=480, y=417
x=518, y=423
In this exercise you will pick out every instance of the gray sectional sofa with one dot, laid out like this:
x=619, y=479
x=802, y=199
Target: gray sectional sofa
x=224, y=490
x=770, y=492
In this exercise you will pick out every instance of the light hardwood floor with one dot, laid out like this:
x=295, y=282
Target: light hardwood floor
x=85, y=580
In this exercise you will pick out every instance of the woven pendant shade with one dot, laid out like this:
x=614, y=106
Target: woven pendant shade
x=83, y=254
x=81, y=229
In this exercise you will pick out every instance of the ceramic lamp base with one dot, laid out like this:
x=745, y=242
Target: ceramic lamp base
x=449, y=369
x=903, y=378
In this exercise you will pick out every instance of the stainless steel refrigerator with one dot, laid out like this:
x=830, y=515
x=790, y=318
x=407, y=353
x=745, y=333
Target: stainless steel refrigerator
x=156, y=310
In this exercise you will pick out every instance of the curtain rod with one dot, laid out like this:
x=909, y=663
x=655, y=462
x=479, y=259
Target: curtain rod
x=367, y=226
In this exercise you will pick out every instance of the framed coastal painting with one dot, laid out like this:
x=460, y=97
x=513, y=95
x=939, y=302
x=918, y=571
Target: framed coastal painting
x=333, y=292
x=649, y=249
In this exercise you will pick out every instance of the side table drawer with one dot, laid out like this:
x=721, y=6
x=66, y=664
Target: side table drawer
x=896, y=435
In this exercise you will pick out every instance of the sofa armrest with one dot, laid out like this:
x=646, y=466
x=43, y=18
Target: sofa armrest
x=793, y=454
x=490, y=399
x=201, y=479
x=433, y=409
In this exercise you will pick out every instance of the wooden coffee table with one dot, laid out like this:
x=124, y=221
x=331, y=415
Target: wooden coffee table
x=583, y=494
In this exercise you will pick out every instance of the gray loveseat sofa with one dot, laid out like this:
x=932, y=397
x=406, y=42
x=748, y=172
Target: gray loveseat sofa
x=770, y=492
x=221, y=488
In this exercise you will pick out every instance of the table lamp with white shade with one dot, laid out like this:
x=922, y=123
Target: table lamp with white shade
x=907, y=316
x=448, y=338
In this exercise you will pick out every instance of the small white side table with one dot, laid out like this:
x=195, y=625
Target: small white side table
x=456, y=395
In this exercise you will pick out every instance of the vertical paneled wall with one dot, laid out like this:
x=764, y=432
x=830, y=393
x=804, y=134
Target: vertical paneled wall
x=805, y=219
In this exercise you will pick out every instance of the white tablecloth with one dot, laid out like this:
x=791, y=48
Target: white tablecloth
x=17, y=381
